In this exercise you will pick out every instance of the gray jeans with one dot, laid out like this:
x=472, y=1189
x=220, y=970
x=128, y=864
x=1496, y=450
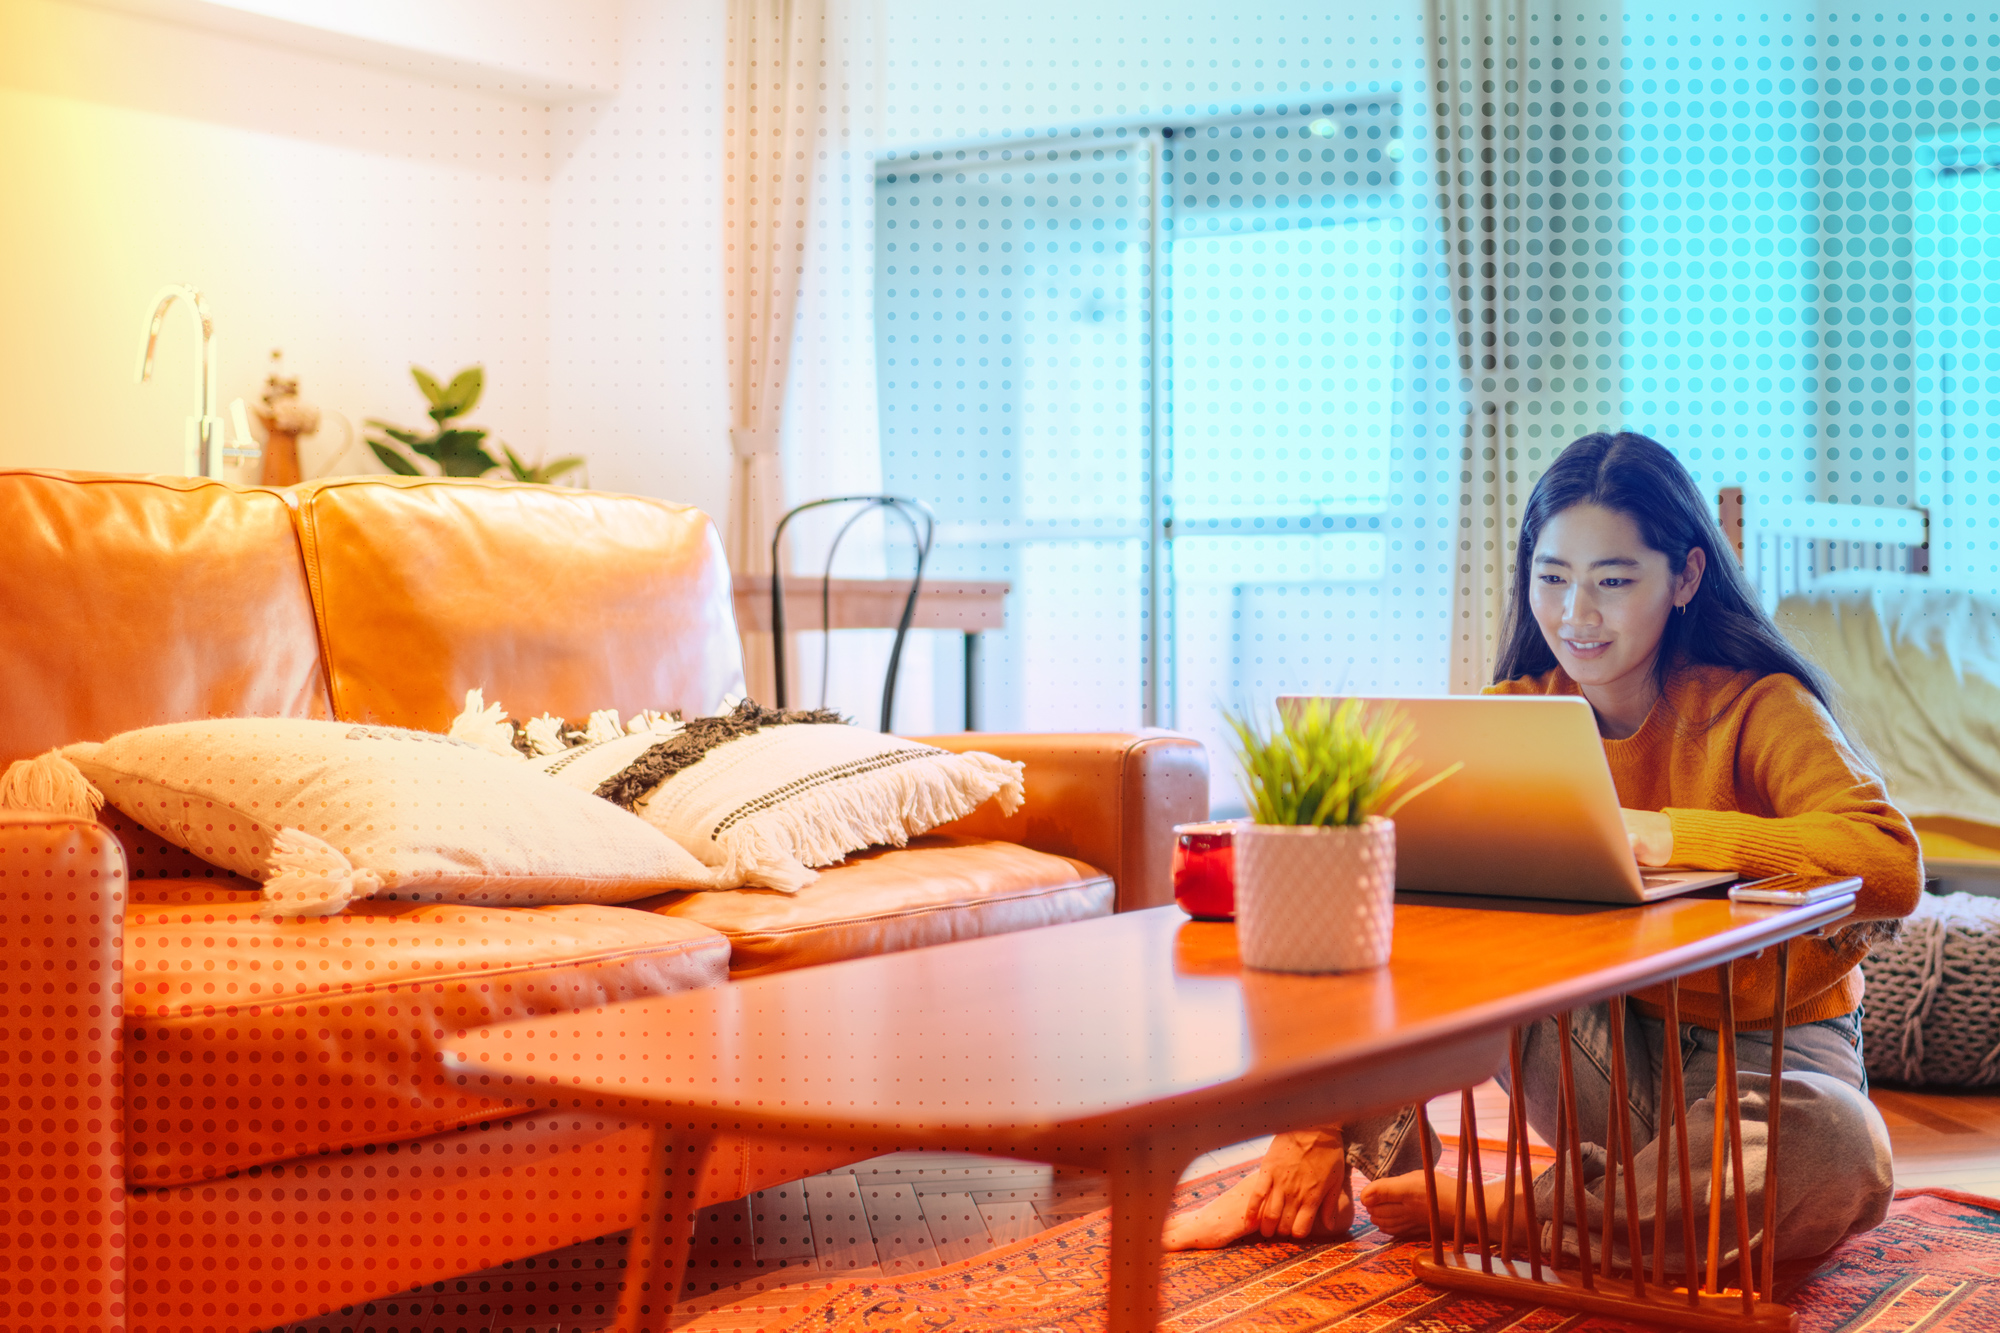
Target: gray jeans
x=1834, y=1176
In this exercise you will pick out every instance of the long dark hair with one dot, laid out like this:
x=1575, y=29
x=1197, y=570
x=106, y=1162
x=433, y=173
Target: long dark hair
x=1637, y=477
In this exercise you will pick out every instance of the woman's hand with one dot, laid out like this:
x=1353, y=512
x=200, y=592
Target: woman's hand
x=1301, y=1173
x=1651, y=834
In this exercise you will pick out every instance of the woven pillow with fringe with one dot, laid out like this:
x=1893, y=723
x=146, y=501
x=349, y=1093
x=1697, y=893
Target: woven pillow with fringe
x=762, y=796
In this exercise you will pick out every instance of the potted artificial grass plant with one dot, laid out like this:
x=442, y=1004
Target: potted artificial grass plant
x=1316, y=864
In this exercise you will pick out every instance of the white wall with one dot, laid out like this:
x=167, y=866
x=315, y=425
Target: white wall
x=638, y=364
x=542, y=52
x=359, y=220
x=362, y=220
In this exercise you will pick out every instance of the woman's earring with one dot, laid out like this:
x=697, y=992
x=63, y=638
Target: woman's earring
x=1684, y=608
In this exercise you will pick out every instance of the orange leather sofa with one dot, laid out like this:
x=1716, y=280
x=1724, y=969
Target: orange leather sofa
x=213, y=1121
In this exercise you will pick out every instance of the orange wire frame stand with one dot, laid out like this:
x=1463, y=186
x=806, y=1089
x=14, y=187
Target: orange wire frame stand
x=1699, y=1294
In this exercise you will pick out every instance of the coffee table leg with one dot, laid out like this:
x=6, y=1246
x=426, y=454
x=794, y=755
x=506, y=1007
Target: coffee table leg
x=1143, y=1176
x=656, y=1256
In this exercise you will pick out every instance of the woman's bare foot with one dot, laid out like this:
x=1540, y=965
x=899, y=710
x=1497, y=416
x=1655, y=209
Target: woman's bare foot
x=1401, y=1206
x=1226, y=1217
x=1299, y=1189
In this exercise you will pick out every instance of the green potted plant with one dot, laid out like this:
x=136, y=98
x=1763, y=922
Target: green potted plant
x=458, y=451
x=1316, y=864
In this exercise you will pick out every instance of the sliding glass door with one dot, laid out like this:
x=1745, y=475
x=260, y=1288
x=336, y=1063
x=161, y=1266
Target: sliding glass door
x=1170, y=382
x=1304, y=555
x=1953, y=306
x=1011, y=318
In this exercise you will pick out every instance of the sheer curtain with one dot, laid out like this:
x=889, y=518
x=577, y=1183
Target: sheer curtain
x=1481, y=127
x=831, y=445
x=1532, y=171
x=799, y=201
x=776, y=50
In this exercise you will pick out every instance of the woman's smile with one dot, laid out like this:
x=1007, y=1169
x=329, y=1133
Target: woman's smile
x=1601, y=597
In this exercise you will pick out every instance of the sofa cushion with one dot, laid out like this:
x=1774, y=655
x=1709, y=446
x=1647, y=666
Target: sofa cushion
x=250, y=1040
x=936, y=890
x=134, y=600
x=558, y=601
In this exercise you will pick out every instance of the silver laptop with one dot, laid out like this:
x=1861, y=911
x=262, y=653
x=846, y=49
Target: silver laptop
x=1533, y=814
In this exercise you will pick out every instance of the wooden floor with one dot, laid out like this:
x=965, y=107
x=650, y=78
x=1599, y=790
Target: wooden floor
x=769, y=1256
x=1944, y=1140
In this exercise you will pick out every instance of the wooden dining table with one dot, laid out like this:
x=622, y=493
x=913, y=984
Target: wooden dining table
x=1128, y=1044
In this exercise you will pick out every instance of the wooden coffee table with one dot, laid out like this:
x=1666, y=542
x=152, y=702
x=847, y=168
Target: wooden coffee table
x=1129, y=1044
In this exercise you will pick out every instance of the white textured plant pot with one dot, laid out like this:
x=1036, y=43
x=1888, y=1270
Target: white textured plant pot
x=1315, y=898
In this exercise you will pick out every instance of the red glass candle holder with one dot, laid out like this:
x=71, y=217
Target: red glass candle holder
x=1205, y=870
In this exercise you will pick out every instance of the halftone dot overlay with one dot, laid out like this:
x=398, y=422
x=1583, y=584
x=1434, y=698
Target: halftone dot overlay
x=62, y=1200
x=1235, y=342
x=1305, y=307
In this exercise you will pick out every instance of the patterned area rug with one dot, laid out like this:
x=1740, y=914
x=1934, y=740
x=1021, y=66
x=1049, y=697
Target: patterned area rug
x=1933, y=1266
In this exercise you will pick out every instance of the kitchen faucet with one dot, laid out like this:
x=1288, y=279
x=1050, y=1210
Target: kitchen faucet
x=203, y=449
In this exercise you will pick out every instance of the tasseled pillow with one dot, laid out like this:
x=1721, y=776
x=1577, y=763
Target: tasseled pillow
x=762, y=796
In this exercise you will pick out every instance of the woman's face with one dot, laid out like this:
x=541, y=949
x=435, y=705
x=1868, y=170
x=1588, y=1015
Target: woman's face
x=1601, y=596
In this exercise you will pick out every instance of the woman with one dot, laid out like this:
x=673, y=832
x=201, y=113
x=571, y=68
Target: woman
x=1723, y=747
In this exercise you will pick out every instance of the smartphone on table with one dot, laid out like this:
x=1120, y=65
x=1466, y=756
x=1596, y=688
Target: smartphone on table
x=1795, y=890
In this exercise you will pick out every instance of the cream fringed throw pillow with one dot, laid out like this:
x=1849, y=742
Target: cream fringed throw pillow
x=327, y=812
x=762, y=796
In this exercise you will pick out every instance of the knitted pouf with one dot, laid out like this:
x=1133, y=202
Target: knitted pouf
x=1933, y=1008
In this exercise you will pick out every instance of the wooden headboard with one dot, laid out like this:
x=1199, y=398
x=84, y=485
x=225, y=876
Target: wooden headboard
x=1783, y=548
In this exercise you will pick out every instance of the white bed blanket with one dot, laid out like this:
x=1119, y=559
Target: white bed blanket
x=1917, y=669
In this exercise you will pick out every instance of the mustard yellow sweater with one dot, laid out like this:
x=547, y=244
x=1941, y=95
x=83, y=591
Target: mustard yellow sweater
x=1757, y=778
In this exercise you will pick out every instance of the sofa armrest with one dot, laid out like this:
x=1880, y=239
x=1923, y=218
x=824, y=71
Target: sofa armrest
x=1111, y=799
x=62, y=1140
